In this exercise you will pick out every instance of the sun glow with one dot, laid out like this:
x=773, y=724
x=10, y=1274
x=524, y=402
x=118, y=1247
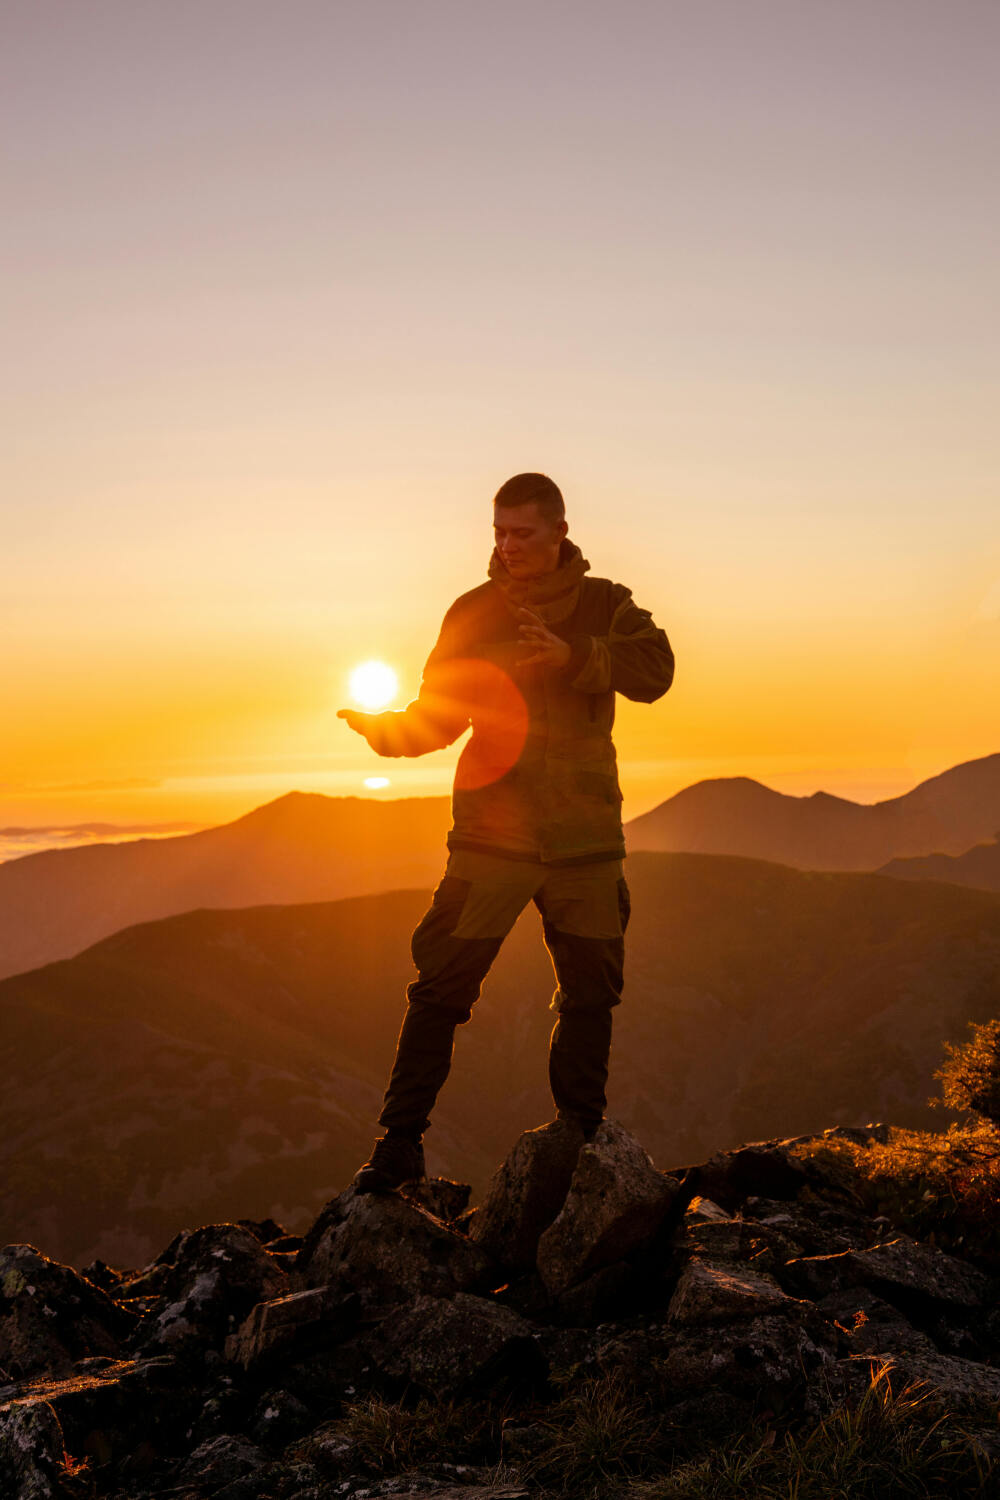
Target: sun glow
x=373, y=684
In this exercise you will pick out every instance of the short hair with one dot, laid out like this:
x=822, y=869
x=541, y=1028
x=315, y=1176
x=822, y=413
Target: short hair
x=533, y=489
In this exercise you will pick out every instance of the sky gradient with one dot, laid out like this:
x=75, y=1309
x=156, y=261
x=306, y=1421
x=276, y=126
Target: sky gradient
x=291, y=289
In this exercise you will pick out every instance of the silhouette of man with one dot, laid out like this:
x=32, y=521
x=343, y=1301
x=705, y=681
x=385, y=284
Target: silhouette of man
x=532, y=659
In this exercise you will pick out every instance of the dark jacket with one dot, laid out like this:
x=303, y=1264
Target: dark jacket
x=538, y=779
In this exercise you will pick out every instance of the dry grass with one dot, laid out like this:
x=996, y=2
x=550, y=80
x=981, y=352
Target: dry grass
x=940, y=1187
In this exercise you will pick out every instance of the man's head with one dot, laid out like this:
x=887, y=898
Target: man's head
x=529, y=523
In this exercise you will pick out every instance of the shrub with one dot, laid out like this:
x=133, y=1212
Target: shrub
x=970, y=1076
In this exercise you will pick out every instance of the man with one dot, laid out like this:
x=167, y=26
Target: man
x=532, y=660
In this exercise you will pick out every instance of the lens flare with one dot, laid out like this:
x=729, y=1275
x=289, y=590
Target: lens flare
x=373, y=684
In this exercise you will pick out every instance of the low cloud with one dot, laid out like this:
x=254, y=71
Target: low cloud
x=17, y=842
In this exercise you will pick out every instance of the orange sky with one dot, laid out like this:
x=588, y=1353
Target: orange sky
x=295, y=289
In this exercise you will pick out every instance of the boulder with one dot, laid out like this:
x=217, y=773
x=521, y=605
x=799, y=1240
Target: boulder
x=32, y=1452
x=50, y=1316
x=817, y=1229
x=616, y=1204
x=904, y=1271
x=761, y=1359
x=216, y=1276
x=123, y=1410
x=223, y=1459
x=767, y=1169
x=717, y=1292
x=291, y=1326
x=873, y=1326
x=763, y=1247
x=460, y=1346
x=527, y=1192
x=388, y=1249
x=279, y=1419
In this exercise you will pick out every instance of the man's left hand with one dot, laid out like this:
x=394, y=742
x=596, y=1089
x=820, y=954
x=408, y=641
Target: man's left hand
x=548, y=650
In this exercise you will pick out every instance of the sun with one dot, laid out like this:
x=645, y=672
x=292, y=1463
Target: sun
x=373, y=684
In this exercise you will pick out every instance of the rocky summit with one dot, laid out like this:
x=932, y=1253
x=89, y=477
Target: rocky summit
x=402, y=1330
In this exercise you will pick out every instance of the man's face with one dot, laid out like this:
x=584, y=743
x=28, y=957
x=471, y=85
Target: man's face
x=528, y=545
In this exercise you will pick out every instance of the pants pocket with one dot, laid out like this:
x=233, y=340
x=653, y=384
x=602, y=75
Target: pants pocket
x=439, y=922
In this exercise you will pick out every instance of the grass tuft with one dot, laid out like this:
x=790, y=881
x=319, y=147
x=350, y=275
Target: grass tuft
x=887, y=1446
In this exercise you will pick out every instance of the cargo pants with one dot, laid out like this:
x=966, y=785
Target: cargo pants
x=584, y=910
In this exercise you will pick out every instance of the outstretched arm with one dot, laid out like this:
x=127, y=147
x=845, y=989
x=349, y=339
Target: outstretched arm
x=438, y=714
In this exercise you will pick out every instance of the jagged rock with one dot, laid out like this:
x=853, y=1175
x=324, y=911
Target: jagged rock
x=901, y=1270
x=767, y=1169
x=293, y=1325
x=223, y=1459
x=460, y=1345
x=710, y=1292
x=129, y=1406
x=388, y=1250
x=873, y=1326
x=279, y=1418
x=717, y=1239
x=445, y=1199
x=32, y=1452
x=862, y=1135
x=266, y=1231
x=762, y=1359
x=218, y=1273
x=616, y=1203
x=100, y=1274
x=818, y=1228
x=763, y=1246
x=703, y=1209
x=50, y=1316
x=527, y=1192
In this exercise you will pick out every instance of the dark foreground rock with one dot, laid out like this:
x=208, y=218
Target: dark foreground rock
x=244, y=1362
x=50, y=1316
x=387, y=1248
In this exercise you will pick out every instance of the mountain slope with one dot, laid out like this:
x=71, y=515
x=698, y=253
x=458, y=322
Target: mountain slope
x=307, y=847
x=232, y=1062
x=979, y=867
x=735, y=815
x=301, y=847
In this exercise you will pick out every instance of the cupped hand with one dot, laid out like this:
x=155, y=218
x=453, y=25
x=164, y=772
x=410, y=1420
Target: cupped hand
x=355, y=720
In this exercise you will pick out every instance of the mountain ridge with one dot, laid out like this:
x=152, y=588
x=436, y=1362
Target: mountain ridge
x=758, y=998
x=304, y=846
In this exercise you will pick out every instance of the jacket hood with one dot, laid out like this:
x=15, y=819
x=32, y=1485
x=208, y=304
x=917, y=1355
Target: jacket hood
x=553, y=596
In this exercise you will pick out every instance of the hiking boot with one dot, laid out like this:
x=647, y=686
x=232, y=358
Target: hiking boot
x=395, y=1160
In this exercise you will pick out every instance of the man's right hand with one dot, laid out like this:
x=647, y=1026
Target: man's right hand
x=359, y=722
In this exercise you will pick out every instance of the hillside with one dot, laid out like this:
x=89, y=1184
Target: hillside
x=301, y=847
x=307, y=847
x=979, y=867
x=948, y=814
x=232, y=1062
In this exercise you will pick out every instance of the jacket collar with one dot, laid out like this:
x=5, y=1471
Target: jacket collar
x=553, y=596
